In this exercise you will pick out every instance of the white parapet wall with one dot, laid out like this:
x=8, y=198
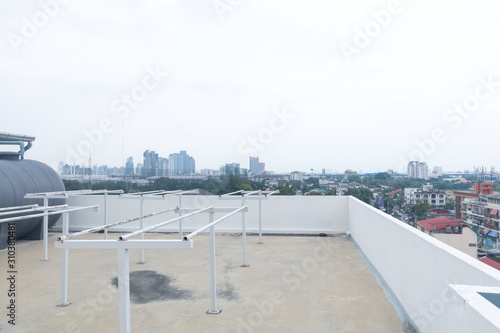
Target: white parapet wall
x=280, y=214
x=419, y=269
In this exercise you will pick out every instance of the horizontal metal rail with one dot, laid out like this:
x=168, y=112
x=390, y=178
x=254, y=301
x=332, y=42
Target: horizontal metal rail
x=17, y=207
x=265, y=193
x=65, y=194
x=157, y=194
x=228, y=194
x=246, y=193
x=133, y=244
x=138, y=194
x=138, y=232
x=114, y=224
x=19, y=218
x=34, y=209
x=199, y=231
x=214, y=210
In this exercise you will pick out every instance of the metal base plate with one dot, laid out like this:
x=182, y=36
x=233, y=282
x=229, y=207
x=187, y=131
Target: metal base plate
x=245, y=266
x=216, y=312
x=63, y=305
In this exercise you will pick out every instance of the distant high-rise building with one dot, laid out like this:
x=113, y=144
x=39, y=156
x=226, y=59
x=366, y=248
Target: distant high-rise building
x=180, y=164
x=162, y=167
x=230, y=169
x=437, y=171
x=256, y=167
x=296, y=175
x=129, y=166
x=150, y=166
x=138, y=169
x=418, y=169
x=208, y=172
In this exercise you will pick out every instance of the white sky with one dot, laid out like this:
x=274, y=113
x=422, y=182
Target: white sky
x=228, y=78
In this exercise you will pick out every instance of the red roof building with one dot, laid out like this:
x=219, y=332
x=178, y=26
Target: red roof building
x=437, y=224
x=490, y=262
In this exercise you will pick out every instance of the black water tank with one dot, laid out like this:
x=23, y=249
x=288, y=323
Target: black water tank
x=19, y=177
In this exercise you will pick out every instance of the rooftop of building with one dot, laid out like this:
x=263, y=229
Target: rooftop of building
x=373, y=273
x=293, y=284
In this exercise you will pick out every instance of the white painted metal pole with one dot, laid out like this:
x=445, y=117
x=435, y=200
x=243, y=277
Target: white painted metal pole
x=141, y=259
x=64, y=273
x=260, y=218
x=213, y=280
x=180, y=214
x=124, y=290
x=106, y=214
x=45, y=227
x=244, y=234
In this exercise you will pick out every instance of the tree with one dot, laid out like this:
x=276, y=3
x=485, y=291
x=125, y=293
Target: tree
x=420, y=211
x=496, y=185
x=449, y=204
x=389, y=203
x=233, y=183
x=382, y=176
x=246, y=187
x=364, y=194
x=286, y=189
x=72, y=185
x=354, y=178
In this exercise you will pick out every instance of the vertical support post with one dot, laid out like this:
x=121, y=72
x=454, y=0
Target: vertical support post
x=244, y=234
x=180, y=214
x=213, y=281
x=141, y=258
x=260, y=218
x=64, y=273
x=124, y=290
x=105, y=214
x=45, y=230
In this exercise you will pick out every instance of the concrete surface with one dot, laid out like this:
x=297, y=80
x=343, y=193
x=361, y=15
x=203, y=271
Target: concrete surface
x=293, y=284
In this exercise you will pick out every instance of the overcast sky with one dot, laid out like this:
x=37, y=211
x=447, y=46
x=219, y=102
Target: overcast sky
x=365, y=85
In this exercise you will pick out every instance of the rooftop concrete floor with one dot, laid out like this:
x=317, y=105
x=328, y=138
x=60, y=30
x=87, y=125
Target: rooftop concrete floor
x=293, y=284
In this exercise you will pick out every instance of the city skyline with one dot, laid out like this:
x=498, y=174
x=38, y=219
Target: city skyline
x=140, y=165
x=368, y=85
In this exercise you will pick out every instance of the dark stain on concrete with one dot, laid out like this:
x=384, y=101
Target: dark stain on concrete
x=229, y=266
x=150, y=286
x=228, y=292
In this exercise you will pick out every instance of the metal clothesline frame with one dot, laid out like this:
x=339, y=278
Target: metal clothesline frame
x=124, y=244
x=251, y=195
x=154, y=195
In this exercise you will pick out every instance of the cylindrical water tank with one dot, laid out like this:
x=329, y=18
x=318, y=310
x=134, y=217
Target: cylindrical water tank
x=19, y=177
